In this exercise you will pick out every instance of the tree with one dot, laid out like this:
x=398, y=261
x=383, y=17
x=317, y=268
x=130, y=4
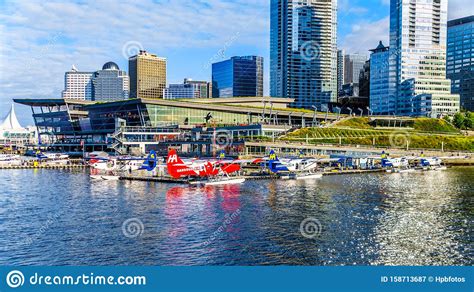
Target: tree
x=469, y=121
x=458, y=120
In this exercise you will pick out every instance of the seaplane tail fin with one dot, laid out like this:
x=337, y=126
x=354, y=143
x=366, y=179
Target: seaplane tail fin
x=176, y=167
x=151, y=161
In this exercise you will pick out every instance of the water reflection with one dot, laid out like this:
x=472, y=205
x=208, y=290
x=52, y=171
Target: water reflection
x=382, y=219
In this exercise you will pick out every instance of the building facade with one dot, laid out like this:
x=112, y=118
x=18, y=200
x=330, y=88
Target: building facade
x=460, y=59
x=381, y=102
x=238, y=77
x=110, y=83
x=189, y=89
x=418, y=30
x=353, y=63
x=147, y=75
x=303, y=51
x=340, y=69
x=78, y=85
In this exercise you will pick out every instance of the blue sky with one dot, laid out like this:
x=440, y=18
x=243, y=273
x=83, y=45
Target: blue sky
x=40, y=40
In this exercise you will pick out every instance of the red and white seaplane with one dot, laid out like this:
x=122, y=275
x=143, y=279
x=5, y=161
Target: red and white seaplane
x=207, y=172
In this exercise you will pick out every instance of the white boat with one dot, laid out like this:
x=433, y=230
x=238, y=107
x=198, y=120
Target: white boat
x=226, y=181
x=309, y=176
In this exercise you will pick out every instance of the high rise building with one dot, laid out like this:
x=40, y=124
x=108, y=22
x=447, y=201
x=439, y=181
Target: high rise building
x=340, y=69
x=460, y=59
x=189, y=89
x=238, y=77
x=303, y=51
x=147, y=75
x=381, y=103
x=110, y=83
x=353, y=63
x=78, y=85
x=418, y=31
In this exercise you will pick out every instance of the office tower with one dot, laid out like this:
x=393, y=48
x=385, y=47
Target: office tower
x=147, y=75
x=303, y=51
x=460, y=59
x=110, y=83
x=381, y=103
x=418, y=57
x=78, y=85
x=340, y=69
x=238, y=77
x=189, y=89
x=353, y=63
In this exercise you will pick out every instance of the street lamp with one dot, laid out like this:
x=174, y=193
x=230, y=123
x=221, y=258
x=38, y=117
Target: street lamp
x=314, y=115
x=338, y=112
x=361, y=111
x=370, y=112
x=350, y=111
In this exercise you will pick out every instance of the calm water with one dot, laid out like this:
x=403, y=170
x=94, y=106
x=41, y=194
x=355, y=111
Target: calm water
x=52, y=217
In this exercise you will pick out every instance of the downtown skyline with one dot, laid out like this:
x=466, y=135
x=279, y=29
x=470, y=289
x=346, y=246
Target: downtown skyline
x=42, y=50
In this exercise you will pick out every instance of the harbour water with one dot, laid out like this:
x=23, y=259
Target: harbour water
x=54, y=217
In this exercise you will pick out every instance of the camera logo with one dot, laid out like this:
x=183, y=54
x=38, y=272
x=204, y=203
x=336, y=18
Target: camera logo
x=15, y=279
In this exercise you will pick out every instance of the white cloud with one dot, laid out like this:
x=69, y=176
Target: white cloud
x=365, y=36
x=40, y=40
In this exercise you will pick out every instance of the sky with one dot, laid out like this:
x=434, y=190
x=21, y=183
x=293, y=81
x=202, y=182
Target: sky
x=40, y=40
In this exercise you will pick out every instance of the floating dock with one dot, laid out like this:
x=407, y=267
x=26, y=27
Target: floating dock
x=71, y=166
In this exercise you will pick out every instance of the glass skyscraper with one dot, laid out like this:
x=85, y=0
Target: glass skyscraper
x=238, y=77
x=303, y=51
x=380, y=101
x=460, y=60
x=418, y=31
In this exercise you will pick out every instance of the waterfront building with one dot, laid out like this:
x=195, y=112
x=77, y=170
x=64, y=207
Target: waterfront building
x=147, y=75
x=189, y=89
x=238, y=77
x=381, y=102
x=78, y=85
x=75, y=126
x=460, y=59
x=110, y=83
x=303, y=51
x=418, y=31
x=353, y=64
x=340, y=69
x=12, y=134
